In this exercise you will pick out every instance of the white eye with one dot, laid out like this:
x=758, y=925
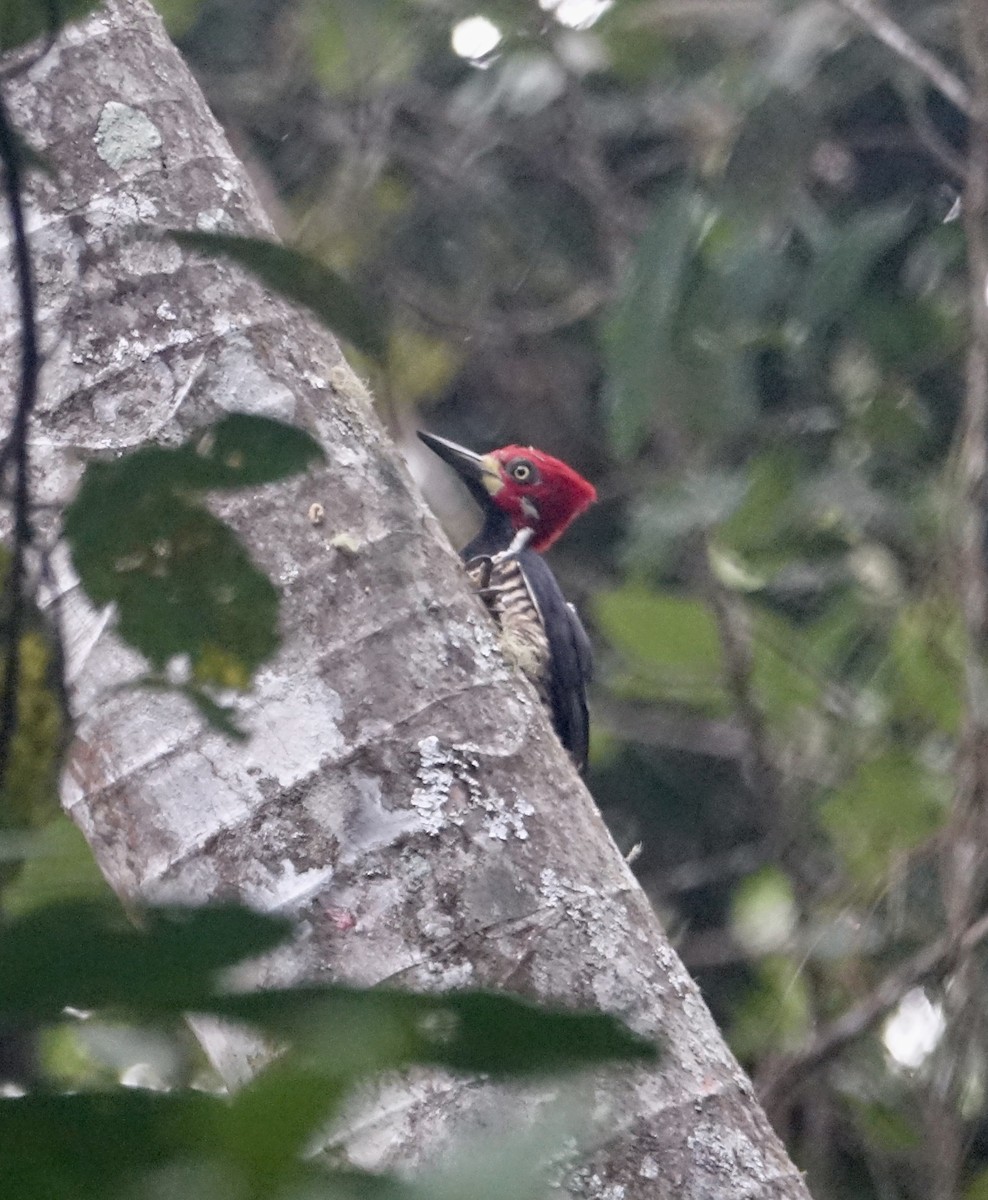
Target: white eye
x=522, y=472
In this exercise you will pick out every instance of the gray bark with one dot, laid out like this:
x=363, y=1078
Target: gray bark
x=402, y=793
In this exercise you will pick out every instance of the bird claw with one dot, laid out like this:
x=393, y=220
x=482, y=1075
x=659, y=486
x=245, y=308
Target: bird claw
x=484, y=565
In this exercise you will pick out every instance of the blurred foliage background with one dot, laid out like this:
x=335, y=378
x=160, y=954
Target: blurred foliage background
x=709, y=252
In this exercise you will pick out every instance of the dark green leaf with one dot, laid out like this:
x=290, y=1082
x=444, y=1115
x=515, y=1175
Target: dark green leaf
x=769, y=506
x=927, y=651
x=23, y=20
x=31, y=159
x=58, y=865
x=770, y=155
x=179, y=15
x=776, y=1011
x=890, y=805
x=300, y=279
x=670, y=642
x=344, y=1028
x=85, y=1147
x=639, y=335
x=243, y=450
x=88, y=955
x=182, y=581
x=845, y=256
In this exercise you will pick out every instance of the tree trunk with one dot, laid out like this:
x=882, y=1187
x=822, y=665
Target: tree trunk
x=401, y=793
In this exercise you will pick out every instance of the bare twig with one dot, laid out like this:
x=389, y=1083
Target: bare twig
x=932, y=140
x=964, y=865
x=933, y=961
x=735, y=639
x=16, y=450
x=667, y=729
x=891, y=34
x=699, y=872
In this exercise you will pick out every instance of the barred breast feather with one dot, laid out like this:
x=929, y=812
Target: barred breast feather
x=543, y=636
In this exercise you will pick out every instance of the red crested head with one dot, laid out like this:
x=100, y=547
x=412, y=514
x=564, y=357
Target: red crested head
x=535, y=490
x=538, y=492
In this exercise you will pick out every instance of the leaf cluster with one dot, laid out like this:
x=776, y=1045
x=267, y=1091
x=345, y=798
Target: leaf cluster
x=88, y=957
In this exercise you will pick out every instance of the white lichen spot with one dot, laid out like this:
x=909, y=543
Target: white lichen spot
x=240, y=384
x=649, y=1168
x=165, y=312
x=553, y=888
x=440, y=769
x=343, y=381
x=550, y=887
x=286, y=887
x=370, y=824
x=294, y=732
x=213, y=220
x=350, y=457
x=451, y=975
x=125, y=134
x=434, y=780
x=503, y=822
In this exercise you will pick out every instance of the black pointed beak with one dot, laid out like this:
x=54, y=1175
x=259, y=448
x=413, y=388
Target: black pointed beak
x=472, y=468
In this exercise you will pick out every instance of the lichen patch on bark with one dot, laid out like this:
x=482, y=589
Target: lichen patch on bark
x=125, y=134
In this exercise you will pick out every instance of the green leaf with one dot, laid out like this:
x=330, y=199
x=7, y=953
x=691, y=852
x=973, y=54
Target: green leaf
x=57, y=865
x=670, y=643
x=845, y=257
x=23, y=20
x=85, y=1147
x=182, y=582
x=87, y=954
x=638, y=336
x=178, y=15
x=890, y=805
x=771, y=153
x=340, y=1035
x=300, y=279
x=765, y=913
x=758, y=523
x=242, y=451
x=927, y=652
x=776, y=1012
x=977, y=1189
x=786, y=680
x=676, y=509
x=340, y=1029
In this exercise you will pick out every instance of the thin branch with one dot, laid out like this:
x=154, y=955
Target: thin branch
x=759, y=768
x=667, y=729
x=933, y=961
x=700, y=872
x=16, y=450
x=891, y=34
x=932, y=140
x=965, y=872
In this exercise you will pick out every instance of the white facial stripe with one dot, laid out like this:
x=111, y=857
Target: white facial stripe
x=529, y=509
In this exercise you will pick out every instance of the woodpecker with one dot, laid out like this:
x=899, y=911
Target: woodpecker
x=528, y=499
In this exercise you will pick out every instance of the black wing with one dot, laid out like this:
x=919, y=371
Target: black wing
x=570, y=655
